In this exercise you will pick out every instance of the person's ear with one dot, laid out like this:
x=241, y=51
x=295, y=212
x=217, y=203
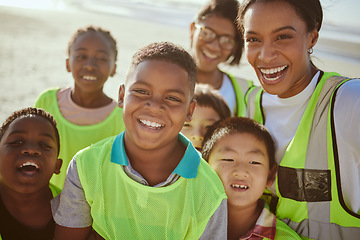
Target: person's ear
x=68, y=68
x=191, y=110
x=121, y=96
x=58, y=165
x=113, y=71
x=313, y=38
x=272, y=175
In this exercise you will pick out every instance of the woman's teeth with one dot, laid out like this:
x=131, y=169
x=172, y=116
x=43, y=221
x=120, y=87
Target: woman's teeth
x=272, y=74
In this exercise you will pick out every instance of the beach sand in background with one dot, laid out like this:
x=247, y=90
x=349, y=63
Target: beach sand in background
x=33, y=45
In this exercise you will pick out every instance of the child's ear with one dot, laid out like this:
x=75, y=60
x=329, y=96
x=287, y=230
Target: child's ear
x=121, y=96
x=59, y=163
x=272, y=175
x=190, y=110
x=113, y=71
x=68, y=65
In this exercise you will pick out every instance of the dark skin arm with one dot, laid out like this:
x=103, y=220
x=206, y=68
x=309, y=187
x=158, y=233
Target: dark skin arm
x=66, y=233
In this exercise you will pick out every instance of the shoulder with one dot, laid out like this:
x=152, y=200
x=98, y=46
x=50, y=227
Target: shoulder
x=46, y=96
x=49, y=91
x=283, y=231
x=209, y=177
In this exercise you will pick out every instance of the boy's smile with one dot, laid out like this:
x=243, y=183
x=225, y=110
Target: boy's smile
x=28, y=154
x=242, y=163
x=156, y=101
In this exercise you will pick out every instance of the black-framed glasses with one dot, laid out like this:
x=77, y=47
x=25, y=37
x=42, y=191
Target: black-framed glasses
x=207, y=35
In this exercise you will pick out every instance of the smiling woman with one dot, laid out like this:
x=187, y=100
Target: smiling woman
x=317, y=112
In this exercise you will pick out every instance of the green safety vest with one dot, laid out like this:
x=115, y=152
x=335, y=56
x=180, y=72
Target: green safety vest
x=241, y=88
x=75, y=137
x=122, y=208
x=308, y=180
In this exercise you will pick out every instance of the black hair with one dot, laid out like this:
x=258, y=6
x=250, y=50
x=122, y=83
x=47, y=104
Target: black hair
x=238, y=125
x=310, y=11
x=169, y=52
x=226, y=9
x=93, y=29
x=206, y=96
x=31, y=112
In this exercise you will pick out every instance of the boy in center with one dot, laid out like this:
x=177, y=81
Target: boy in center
x=149, y=182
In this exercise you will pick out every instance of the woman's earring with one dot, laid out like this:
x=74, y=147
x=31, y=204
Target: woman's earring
x=310, y=51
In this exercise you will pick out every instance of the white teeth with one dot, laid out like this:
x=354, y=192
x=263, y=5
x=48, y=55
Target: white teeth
x=272, y=70
x=90, y=78
x=30, y=164
x=210, y=55
x=239, y=186
x=154, y=125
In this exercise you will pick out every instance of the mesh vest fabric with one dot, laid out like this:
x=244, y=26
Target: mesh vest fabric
x=241, y=87
x=74, y=137
x=124, y=209
x=325, y=215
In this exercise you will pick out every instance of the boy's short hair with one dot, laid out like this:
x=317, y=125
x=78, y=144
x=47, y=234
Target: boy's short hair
x=238, y=125
x=169, y=52
x=206, y=96
x=30, y=112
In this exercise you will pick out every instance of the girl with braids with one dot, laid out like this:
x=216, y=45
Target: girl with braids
x=85, y=114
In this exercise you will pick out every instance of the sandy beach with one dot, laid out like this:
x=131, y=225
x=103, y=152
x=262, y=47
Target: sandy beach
x=33, y=47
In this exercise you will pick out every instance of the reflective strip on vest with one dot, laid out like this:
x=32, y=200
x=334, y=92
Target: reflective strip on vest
x=241, y=87
x=308, y=182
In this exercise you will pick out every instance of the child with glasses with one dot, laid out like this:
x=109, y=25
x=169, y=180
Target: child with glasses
x=215, y=40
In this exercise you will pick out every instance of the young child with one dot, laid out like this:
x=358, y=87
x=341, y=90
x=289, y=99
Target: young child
x=149, y=182
x=84, y=113
x=29, y=148
x=215, y=40
x=210, y=108
x=242, y=152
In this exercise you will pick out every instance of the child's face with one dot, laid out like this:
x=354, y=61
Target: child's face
x=208, y=55
x=91, y=62
x=202, y=119
x=156, y=102
x=28, y=155
x=242, y=163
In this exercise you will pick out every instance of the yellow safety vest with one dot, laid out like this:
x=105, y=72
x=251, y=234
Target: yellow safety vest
x=308, y=180
x=122, y=208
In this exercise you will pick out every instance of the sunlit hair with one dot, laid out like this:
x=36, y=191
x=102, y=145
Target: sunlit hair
x=226, y=9
x=234, y=125
x=206, y=96
x=29, y=113
x=310, y=11
x=169, y=52
x=93, y=29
